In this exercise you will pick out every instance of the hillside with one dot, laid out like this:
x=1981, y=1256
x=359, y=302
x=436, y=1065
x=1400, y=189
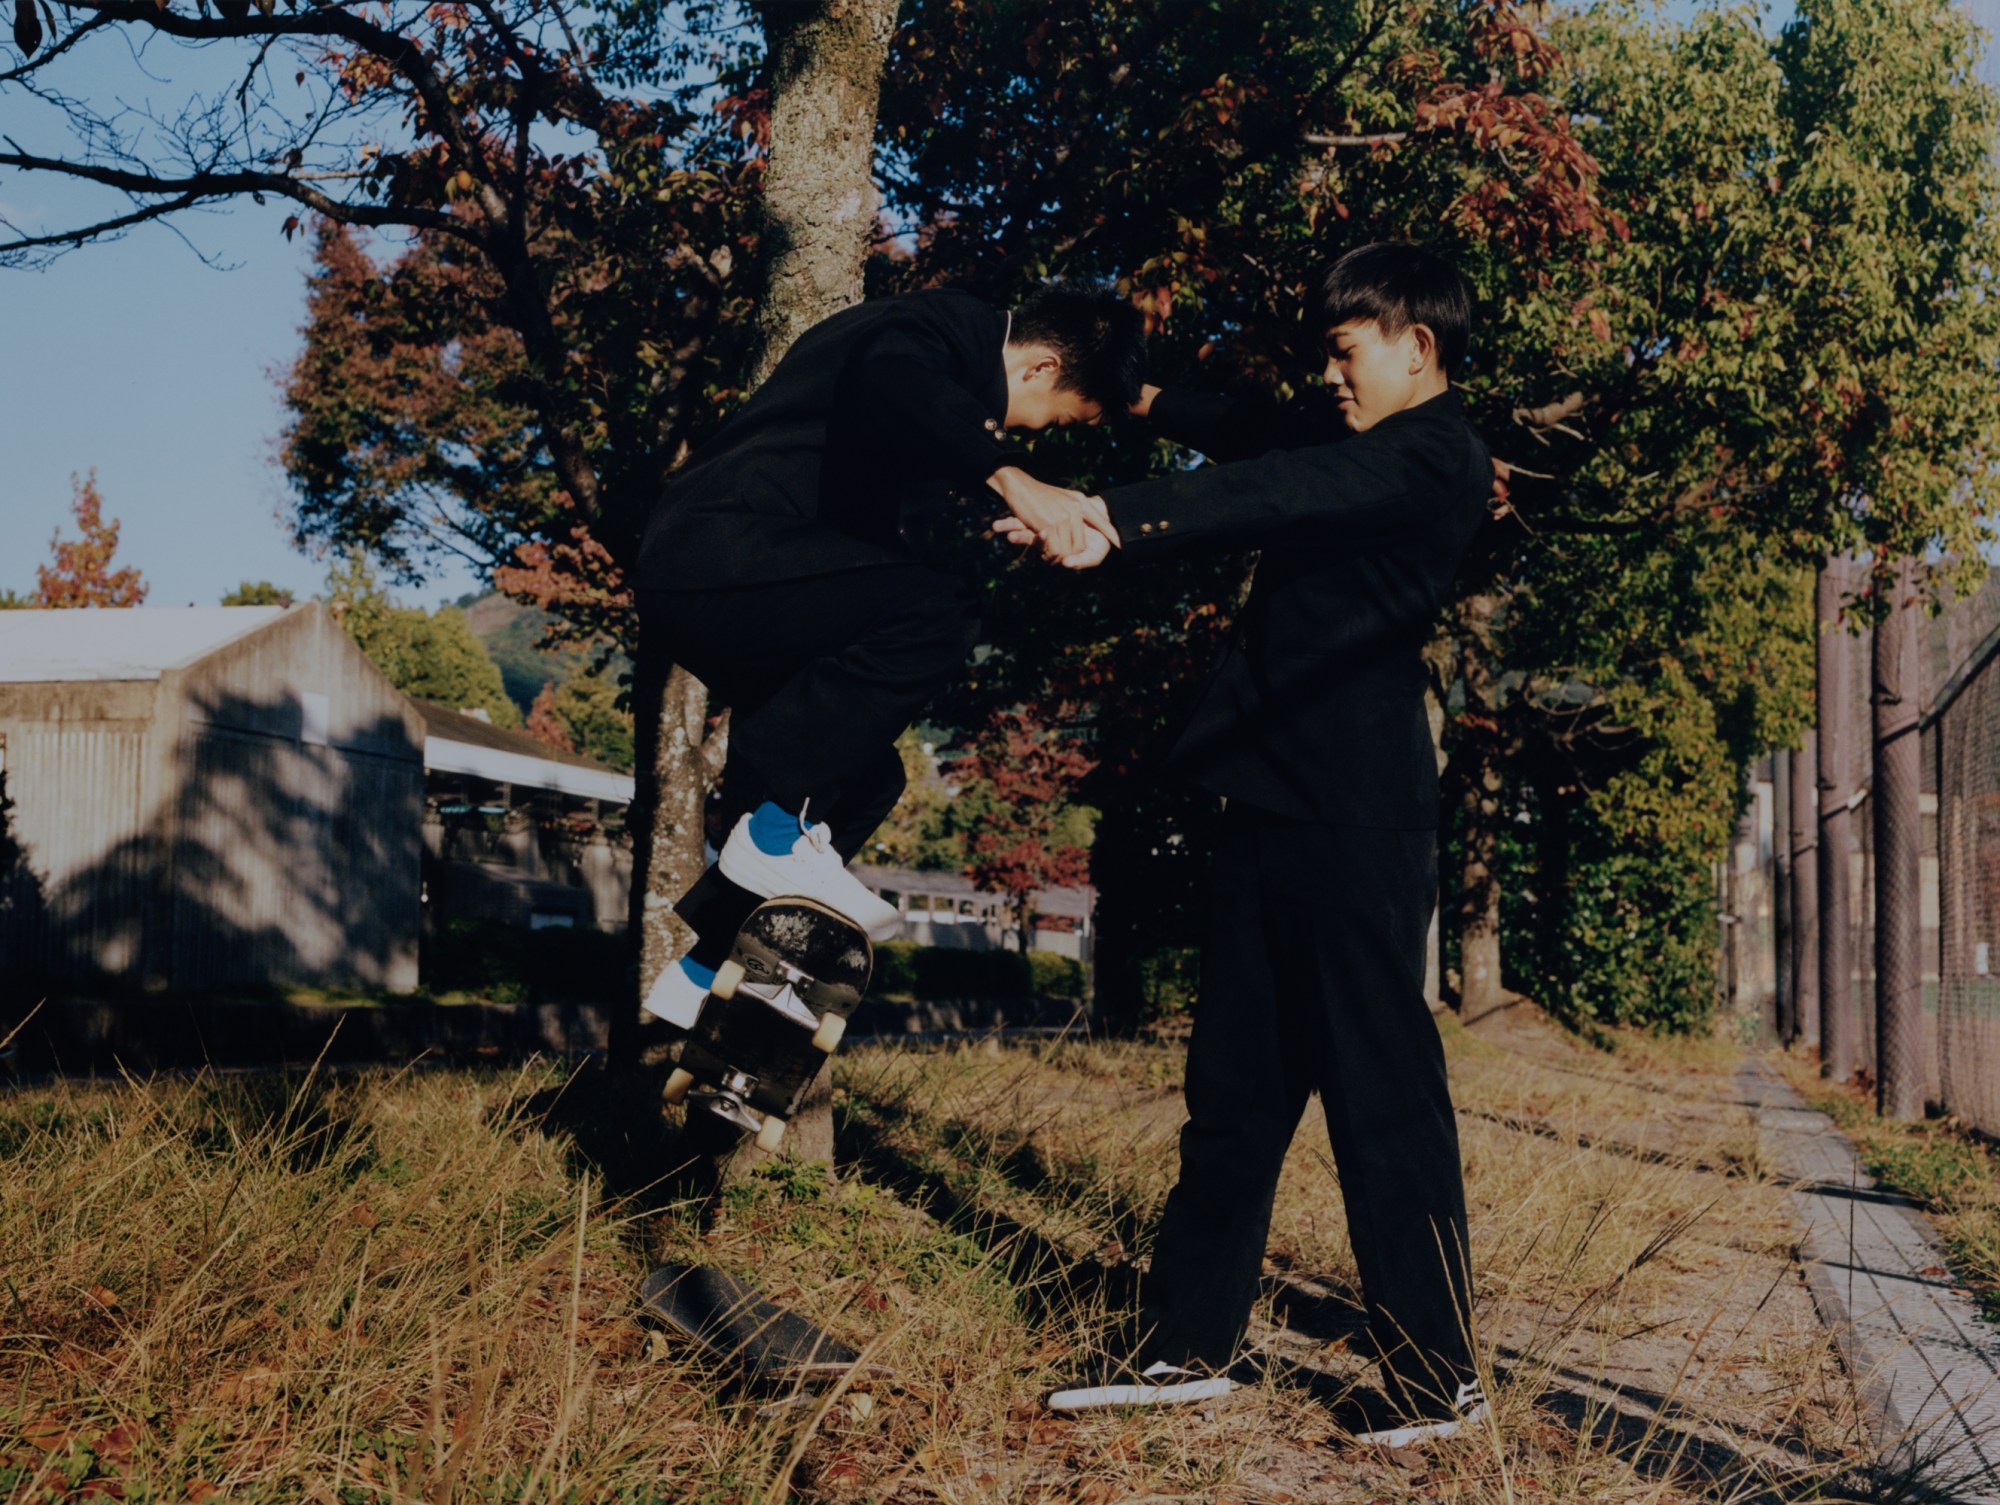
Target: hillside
x=512, y=634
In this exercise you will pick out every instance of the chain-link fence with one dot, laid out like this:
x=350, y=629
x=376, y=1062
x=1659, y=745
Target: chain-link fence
x=1959, y=867
x=1962, y=753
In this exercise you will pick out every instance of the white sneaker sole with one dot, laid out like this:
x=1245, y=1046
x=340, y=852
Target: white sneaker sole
x=770, y=877
x=1423, y=1431
x=1180, y=1393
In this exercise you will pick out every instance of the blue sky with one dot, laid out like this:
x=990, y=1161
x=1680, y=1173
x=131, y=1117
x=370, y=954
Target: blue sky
x=138, y=360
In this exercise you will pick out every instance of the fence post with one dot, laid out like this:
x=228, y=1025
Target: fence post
x=1899, y=963
x=1784, y=1001
x=1805, y=893
x=1836, y=788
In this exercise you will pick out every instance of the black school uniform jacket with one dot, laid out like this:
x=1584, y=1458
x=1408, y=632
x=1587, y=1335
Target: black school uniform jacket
x=1316, y=710
x=883, y=400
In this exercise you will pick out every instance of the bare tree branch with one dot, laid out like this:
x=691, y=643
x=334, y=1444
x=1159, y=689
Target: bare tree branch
x=202, y=187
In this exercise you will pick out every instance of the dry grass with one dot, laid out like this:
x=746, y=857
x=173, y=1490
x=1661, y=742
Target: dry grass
x=417, y=1287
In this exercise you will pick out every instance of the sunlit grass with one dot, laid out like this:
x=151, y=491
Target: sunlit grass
x=414, y=1286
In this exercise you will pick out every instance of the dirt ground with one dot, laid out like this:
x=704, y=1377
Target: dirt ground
x=1648, y=1331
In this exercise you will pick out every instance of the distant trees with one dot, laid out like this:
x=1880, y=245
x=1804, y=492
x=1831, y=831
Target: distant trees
x=1024, y=830
x=584, y=715
x=81, y=573
x=258, y=593
x=431, y=655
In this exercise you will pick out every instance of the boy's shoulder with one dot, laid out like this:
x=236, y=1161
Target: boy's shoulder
x=1435, y=439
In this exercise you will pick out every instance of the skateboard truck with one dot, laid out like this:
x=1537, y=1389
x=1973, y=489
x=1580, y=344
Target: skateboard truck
x=728, y=1100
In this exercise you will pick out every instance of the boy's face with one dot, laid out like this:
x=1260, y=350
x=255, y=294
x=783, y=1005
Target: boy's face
x=1035, y=401
x=1374, y=376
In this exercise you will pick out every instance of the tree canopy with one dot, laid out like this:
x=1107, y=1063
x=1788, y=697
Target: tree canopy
x=1734, y=312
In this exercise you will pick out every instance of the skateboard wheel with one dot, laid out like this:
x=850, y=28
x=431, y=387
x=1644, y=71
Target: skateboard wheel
x=831, y=1028
x=770, y=1135
x=728, y=978
x=678, y=1082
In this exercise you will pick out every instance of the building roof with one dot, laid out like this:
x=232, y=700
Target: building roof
x=457, y=743
x=1070, y=903
x=130, y=642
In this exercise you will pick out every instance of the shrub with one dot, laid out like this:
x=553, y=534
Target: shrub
x=905, y=969
x=1053, y=975
x=506, y=964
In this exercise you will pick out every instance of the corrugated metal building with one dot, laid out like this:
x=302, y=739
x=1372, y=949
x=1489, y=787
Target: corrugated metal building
x=205, y=798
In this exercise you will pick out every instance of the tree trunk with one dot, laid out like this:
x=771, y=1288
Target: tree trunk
x=1899, y=961
x=1783, y=997
x=825, y=61
x=1478, y=761
x=1836, y=788
x=1479, y=989
x=1805, y=893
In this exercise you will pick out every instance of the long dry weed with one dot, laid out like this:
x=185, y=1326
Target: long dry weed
x=419, y=1286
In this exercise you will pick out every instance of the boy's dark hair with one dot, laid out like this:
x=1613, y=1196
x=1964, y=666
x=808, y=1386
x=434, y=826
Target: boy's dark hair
x=1398, y=285
x=1099, y=337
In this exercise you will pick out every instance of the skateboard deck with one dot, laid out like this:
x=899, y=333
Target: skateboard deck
x=779, y=1006
x=765, y=1347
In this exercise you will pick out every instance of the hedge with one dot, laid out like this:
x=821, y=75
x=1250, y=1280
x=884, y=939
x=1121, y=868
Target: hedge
x=508, y=964
x=905, y=969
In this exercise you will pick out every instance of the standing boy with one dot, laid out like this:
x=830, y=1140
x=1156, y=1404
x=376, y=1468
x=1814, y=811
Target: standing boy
x=1313, y=729
x=774, y=571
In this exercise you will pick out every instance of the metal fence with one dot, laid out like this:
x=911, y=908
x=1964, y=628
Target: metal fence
x=1963, y=754
x=1959, y=867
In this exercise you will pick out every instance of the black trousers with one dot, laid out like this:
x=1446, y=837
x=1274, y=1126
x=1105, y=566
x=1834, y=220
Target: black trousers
x=1312, y=979
x=821, y=676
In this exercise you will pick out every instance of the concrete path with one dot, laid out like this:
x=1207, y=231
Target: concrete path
x=1928, y=1370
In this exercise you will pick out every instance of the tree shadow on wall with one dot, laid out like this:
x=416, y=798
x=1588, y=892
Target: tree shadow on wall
x=23, y=918
x=291, y=864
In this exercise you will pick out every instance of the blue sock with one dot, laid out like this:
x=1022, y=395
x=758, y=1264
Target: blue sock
x=773, y=831
x=699, y=975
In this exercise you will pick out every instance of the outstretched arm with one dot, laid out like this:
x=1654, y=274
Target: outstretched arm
x=1226, y=427
x=1363, y=489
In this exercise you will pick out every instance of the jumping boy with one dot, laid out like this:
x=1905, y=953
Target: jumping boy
x=773, y=570
x=1313, y=729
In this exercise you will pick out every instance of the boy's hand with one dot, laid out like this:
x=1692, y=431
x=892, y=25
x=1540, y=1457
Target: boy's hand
x=1099, y=539
x=1048, y=513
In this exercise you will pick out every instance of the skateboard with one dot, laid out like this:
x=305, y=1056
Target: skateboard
x=778, y=1007
x=766, y=1348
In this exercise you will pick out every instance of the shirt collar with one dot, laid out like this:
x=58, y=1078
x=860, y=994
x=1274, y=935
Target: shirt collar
x=994, y=394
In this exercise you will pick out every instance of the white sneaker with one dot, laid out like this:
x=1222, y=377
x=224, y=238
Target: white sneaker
x=1468, y=1408
x=812, y=870
x=1157, y=1385
x=675, y=997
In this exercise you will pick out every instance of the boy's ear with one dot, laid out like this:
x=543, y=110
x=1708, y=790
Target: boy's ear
x=1424, y=348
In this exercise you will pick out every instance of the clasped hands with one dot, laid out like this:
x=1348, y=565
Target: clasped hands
x=1072, y=529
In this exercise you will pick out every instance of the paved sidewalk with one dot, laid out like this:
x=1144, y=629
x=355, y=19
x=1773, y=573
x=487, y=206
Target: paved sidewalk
x=1927, y=1369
